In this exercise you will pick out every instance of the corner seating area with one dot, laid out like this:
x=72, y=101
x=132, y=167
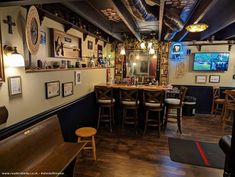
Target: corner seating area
x=38, y=149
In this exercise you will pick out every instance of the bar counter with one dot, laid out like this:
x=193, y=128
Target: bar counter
x=141, y=87
x=141, y=111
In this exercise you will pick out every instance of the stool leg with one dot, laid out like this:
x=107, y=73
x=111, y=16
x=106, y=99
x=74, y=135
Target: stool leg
x=166, y=118
x=99, y=117
x=113, y=119
x=110, y=118
x=93, y=147
x=123, y=117
x=179, y=119
x=79, y=139
x=136, y=120
x=159, y=124
x=146, y=121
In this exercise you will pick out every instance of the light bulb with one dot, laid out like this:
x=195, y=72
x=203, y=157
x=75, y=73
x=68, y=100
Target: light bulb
x=123, y=52
x=142, y=45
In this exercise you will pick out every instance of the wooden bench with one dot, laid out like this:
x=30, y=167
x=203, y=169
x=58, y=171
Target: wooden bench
x=39, y=149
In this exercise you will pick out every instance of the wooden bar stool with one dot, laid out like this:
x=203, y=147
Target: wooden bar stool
x=153, y=102
x=229, y=106
x=105, y=101
x=218, y=103
x=129, y=101
x=87, y=134
x=175, y=104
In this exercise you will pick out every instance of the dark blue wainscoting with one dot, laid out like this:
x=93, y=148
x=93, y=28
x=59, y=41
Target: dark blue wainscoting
x=78, y=113
x=204, y=95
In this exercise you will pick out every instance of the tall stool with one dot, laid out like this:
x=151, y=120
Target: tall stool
x=153, y=102
x=175, y=104
x=229, y=106
x=105, y=101
x=217, y=103
x=129, y=101
x=87, y=134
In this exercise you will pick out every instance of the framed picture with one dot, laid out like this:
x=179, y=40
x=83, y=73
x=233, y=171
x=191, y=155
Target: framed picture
x=67, y=89
x=90, y=45
x=214, y=78
x=77, y=77
x=200, y=79
x=52, y=89
x=65, y=45
x=15, y=86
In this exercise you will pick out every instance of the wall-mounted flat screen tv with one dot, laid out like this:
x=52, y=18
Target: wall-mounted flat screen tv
x=211, y=61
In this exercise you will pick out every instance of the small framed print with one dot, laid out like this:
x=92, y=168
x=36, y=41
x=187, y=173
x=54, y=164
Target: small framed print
x=200, y=79
x=15, y=86
x=77, y=77
x=52, y=89
x=214, y=78
x=90, y=45
x=67, y=89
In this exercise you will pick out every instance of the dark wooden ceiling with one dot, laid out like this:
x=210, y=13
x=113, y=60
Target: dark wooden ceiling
x=162, y=19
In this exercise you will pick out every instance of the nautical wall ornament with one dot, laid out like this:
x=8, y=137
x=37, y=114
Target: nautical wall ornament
x=32, y=30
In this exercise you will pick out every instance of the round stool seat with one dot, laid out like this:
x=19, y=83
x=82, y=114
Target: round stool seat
x=85, y=132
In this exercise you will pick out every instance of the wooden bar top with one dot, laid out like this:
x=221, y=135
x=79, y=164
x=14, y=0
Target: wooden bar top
x=141, y=87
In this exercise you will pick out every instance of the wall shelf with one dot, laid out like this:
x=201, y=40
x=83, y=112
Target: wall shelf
x=62, y=69
x=67, y=25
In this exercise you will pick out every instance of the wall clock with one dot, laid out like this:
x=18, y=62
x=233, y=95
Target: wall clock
x=32, y=30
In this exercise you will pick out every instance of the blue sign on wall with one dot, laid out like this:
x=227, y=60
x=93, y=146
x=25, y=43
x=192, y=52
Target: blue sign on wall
x=177, y=51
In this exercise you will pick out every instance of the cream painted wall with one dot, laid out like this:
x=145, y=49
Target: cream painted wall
x=188, y=78
x=33, y=100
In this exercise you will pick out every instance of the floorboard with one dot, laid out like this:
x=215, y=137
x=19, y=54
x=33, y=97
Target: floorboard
x=122, y=153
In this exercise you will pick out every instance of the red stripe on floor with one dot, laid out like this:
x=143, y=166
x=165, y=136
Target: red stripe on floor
x=202, y=154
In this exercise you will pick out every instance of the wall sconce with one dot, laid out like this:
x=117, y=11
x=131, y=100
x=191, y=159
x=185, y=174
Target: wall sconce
x=123, y=51
x=13, y=58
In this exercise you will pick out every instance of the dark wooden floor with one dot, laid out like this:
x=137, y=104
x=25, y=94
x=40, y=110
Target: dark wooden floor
x=125, y=154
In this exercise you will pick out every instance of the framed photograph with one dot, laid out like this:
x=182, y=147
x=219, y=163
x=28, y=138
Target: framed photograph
x=52, y=89
x=90, y=45
x=214, y=78
x=67, y=89
x=15, y=86
x=65, y=45
x=200, y=79
x=77, y=77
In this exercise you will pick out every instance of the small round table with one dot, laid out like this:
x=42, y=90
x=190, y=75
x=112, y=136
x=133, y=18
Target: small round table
x=87, y=134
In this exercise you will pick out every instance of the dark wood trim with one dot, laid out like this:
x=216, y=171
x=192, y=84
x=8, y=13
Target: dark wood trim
x=8, y=131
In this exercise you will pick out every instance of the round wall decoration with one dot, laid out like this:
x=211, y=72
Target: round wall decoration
x=32, y=30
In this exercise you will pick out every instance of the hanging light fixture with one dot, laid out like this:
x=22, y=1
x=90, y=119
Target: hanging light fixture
x=123, y=51
x=197, y=27
x=13, y=58
x=151, y=51
x=142, y=45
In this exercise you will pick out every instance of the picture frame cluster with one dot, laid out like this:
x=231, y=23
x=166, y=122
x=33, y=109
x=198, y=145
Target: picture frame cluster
x=202, y=79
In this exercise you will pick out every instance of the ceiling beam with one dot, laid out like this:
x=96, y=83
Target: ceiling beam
x=126, y=18
x=226, y=33
x=161, y=13
x=31, y=2
x=93, y=17
x=221, y=15
x=202, y=8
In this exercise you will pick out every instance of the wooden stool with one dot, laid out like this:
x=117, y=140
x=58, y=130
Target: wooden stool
x=153, y=102
x=176, y=104
x=87, y=134
x=105, y=101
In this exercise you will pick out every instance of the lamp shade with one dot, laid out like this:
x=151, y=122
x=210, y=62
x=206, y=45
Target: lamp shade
x=123, y=51
x=197, y=27
x=13, y=58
